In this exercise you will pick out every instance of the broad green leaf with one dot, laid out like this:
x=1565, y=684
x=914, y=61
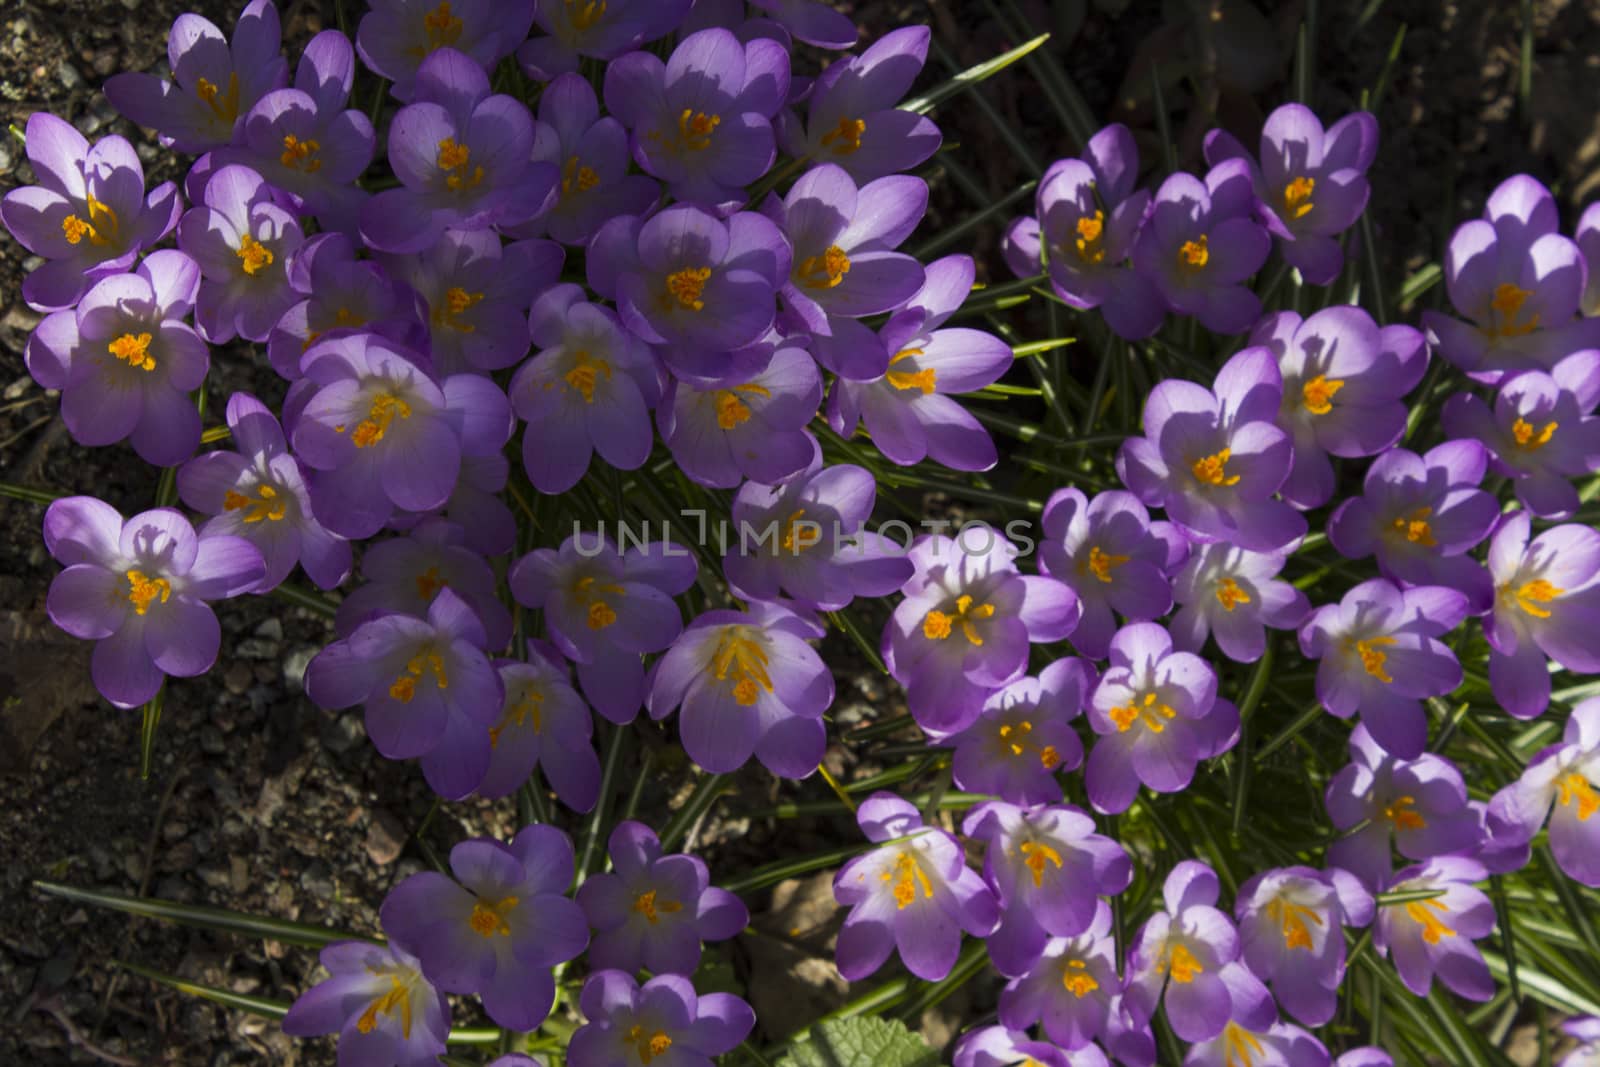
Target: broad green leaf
x=860, y=1041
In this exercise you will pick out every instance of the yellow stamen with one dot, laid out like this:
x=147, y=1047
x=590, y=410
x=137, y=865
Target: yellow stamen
x=225, y=106
x=1415, y=527
x=1230, y=595
x=1297, y=197
x=649, y=1046
x=429, y=583
x=1530, y=439
x=1036, y=854
x=370, y=430
x=1372, y=659
x=741, y=658
x=695, y=129
x=1077, y=980
x=143, y=591
x=687, y=285
x=585, y=373
x=1317, y=394
x=1020, y=730
x=1293, y=918
x=253, y=255
x=1504, y=309
x=1422, y=911
x=1150, y=711
x=799, y=536
x=404, y=688
x=907, y=874
x=300, y=155
x=1213, y=469
x=647, y=905
x=1091, y=228
x=845, y=138
x=102, y=226
x=937, y=625
x=732, y=410
x=528, y=707
x=575, y=174
x=1049, y=758
x=1575, y=789
x=489, y=919
x=923, y=380
x=134, y=351
x=453, y=160
x=441, y=27
x=600, y=615
x=267, y=506
x=583, y=14
x=1402, y=814
x=395, y=998
x=1193, y=255
x=1531, y=595
x=426, y=661
x=1182, y=964
x=586, y=591
x=1240, y=1046
x=1102, y=564
x=824, y=271
x=457, y=301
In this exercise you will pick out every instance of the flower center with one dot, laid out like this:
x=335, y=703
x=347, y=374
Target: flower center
x=1402, y=814
x=101, y=228
x=370, y=430
x=937, y=625
x=583, y=14
x=1293, y=918
x=429, y=583
x=585, y=372
x=265, y=506
x=824, y=271
x=1090, y=229
x=647, y=905
x=1151, y=711
x=225, y=106
x=695, y=128
x=134, y=351
x=300, y=155
x=1036, y=854
x=1193, y=255
x=923, y=380
x=1182, y=963
x=1505, y=307
x=1422, y=912
x=1530, y=439
x=1018, y=730
x=740, y=659
x=732, y=410
x=845, y=138
x=1077, y=980
x=649, y=1046
x=1373, y=658
x=426, y=661
x=600, y=613
x=457, y=302
x=1213, y=469
x=1414, y=527
x=528, y=707
x=575, y=175
x=1241, y=1046
x=143, y=591
x=1575, y=789
x=1297, y=196
x=907, y=874
x=1317, y=394
x=489, y=919
x=799, y=536
x=453, y=160
x=395, y=999
x=686, y=286
x=1230, y=595
x=441, y=27
x=253, y=255
x=1531, y=596
x=1102, y=564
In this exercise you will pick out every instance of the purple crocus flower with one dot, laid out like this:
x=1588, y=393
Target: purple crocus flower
x=1344, y=380
x=476, y=293
x=1421, y=515
x=214, y=82
x=1311, y=185
x=1278, y=1045
x=305, y=141
x=1563, y=777
x=1234, y=594
x=138, y=589
x=749, y=426
x=653, y=911
x=1381, y=655
x=403, y=575
x=605, y=609
x=242, y=238
x=1072, y=988
x=125, y=362
x=378, y=1002
x=1587, y=237
x=914, y=892
x=1157, y=714
x=1024, y=737
x=1048, y=869
x=1110, y=553
x=996, y=1046
x=1291, y=930
x=851, y=117
x=463, y=157
x=963, y=630
x=1517, y=281
x=259, y=493
x=1541, y=433
x=805, y=537
x=382, y=434
x=397, y=37
x=844, y=264
x=339, y=294
x=601, y=31
x=909, y=412
x=1546, y=604
x=88, y=217
x=486, y=522
x=498, y=927
x=1419, y=805
x=747, y=682
x=1367, y=1057
x=700, y=287
x=1586, y=1030
x=1200, y=244
x=630, y=1025
x=1214, y=458
x=428, y=688
x=590, y=388
x=1088, y=215
x=1433, y=937
x=543, y=723
x=700, y=122
x=1181, y=952
x=592, y=152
